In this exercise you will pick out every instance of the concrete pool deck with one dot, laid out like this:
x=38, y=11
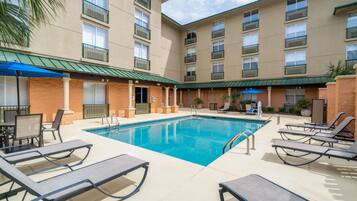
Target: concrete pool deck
x=171, y=179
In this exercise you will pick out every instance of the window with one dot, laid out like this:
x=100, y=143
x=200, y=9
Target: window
x=100, y=3
x=352, y=20
x=250, y=63
x=292, y=96
x=295, y=58
x=218, y=26
x=8, y=94
x=94, y=93
x=351, y=51
x=191, y=34
x=295, y=30
x=218, y=46
x=191, y=51
x=250, y=97
x=218, y=67
x=141, y=18
x=141, y=51
x=295, y=4
x=95, y=36
x=190, y=70
x=251, y=16
x=250, y=39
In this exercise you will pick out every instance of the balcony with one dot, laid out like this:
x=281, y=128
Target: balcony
x=142, y=31
x=96, y=12
x=351, y=32
x=247, y=73
x=190, y=78
x=95, y=110
x=296, y=41
x=190, y=58
x=351, y=62
x=217, y=76
x=145, y=3
x=218, y=33
x=250, y=49
x=189, y=41
x=250, y=25
x=296, y=14
x=95, y=53
x=295, y=69
x=217, y=54
x=141, y=63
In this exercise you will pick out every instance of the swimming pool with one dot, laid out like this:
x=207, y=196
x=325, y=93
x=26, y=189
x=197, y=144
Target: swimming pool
x=197, y=139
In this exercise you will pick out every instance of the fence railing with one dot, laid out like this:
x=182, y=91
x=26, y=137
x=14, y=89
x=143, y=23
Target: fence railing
x=189, y=41
x=95, y=11
x=217, y=76
x=24, y=109
x=296, y=14
x=95, y=110
x=296, y=41
x=351, y=32
x=217, y=54
x=142, y=31
x=141, y=63
x=250, y=49
x=247, y=73
x=190, y=58
x=96, y=53
x=145, y=3
x=250, y=25
x=218, y=33
x=190, y=78
x=295, y=69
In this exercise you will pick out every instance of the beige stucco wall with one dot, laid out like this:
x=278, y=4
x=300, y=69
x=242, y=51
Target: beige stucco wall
x=325, y=33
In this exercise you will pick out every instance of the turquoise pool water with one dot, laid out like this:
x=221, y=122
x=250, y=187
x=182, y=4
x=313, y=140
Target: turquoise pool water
x=196, y=139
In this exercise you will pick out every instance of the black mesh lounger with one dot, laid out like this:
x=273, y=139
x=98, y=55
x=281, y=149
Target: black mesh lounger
x=257, y=188
x=68, y=185
x=306, y=135
x=312, y=126
x=307, y=149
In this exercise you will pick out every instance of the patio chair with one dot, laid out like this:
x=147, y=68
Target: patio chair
x=313, y=126
x=71, y=184
x=225, y=108
x=349, y=154
x=317, y=135
x=256, y=188
x=55, y=126
x=9, y=115
x=28, y=127
x=48, y=152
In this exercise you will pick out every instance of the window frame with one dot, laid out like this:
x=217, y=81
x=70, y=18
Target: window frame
x=296, y=33
x=218, y=24
x=139, y=20
x=295, y=62
x=250, y=35
x=248, y=16
x=217, y=65
x=252, y=59
x=219, y=45
x=141, y=50
x=106, y=43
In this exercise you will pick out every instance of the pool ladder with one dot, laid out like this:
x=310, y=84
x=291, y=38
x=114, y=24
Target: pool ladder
x=194, y=110
x=111, y=123
x=247, y=134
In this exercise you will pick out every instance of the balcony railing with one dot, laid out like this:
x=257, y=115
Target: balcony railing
x=296, y=41
x=218, y=33
x=190, y=58
x=351, y=32
x=141, y=63
x=351, y=62
x=217, y=76
x=295, y=69
x=250, y=25
x=96, y=53
x=189, y=41
x=190, y=78
x=250, y=49
x=142, y=31
x=95, y=110
x=296, y=14
x=24, y=109
x=145, y=3
x=247, y=73
x=95, y=11
x=217, y=54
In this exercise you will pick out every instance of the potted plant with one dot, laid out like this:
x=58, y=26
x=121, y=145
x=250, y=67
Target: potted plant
x=304, y=107
x=198, y=102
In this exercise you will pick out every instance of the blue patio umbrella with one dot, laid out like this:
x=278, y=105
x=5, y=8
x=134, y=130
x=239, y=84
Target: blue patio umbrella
x=251, y=92
x=24, y=70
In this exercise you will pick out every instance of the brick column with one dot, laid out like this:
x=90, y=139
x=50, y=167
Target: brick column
x=181, y=98
x=331, y=100
x=198, y=93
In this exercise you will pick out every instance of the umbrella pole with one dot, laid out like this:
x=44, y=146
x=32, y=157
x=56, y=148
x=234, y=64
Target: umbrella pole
x=18, y=92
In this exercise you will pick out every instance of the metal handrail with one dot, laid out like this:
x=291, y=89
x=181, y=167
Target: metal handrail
x=193, y=110
x=234, y=138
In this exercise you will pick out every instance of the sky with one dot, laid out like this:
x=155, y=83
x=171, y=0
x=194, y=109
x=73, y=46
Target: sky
x=186, y=11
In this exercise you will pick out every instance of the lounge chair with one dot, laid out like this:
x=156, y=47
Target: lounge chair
x=252, y=111
x=55, y=126
x=313, y=126
x=71, y=184
x=257, y=188
x=307, y=135
x=307, y=149
x=225, y=108
x=48, y=153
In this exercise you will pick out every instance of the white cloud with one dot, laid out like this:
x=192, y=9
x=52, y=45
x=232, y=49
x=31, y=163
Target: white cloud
x=186, y=11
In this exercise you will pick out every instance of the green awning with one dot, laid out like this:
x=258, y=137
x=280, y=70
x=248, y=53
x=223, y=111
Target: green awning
x=258, y=83
x=345, y=8
x=69, y=66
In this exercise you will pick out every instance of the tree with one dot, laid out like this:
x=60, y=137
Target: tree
x=18, y=18
x=340, y=69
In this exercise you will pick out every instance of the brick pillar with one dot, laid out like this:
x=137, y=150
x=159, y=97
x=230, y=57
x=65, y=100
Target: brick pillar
x=331, y=100
x=345, y=96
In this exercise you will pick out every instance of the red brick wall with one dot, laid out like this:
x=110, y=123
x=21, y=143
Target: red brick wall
x=117, y=97
x=331, y=100
x=76, y=98
x=156, y=98
x=345, y=96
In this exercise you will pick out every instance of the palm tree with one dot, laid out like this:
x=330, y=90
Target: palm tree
x=18, y=18
x=340, y=69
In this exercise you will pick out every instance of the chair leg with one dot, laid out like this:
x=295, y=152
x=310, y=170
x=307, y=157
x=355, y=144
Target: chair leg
x=221, y=194
x=59, y=135
x=53, y=134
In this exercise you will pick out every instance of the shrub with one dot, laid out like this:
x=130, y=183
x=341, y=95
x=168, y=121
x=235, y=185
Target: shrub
x=198, y=101
x=282, y=109
x=294, y=110
x=268, y=109
x=304, y=104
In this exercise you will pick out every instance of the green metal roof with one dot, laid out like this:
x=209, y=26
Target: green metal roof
x=345, y=8
x=64, y=65
x=258, y=83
